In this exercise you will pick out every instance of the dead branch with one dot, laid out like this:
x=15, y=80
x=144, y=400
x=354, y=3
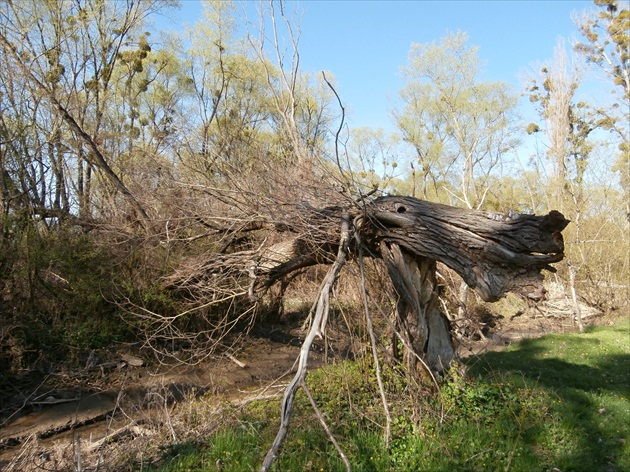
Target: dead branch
x=242, y=365
x=322, y=421
x=321, y=313
x=370, y=327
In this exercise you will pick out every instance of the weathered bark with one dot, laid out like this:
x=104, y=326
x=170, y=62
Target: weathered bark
x=493, y=253
x=419, y=318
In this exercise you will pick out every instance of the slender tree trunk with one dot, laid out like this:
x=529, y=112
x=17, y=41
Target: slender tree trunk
x=95, y=154
x=574, y=298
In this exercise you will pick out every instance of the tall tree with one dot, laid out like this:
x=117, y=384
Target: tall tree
x=607, y=45
x=569, y=129
x=301, y=107
x=68, y=55
x=459, y=126
x=553, y=93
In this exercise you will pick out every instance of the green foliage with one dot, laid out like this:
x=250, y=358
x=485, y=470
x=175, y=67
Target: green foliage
x=532, y=128
x=607, y=41
x=587, y=394
x=459, y=127
x=478, y=402
x=59, y=286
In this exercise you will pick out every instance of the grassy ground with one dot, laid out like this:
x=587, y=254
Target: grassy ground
x=558, y=403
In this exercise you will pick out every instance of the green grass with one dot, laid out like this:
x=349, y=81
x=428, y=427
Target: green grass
x=561, y=402
x=586, y=379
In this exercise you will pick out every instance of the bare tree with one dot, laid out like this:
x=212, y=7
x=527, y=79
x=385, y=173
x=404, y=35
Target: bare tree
x=68, y=56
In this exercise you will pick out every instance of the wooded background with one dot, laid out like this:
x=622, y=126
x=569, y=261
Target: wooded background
x=136, y=165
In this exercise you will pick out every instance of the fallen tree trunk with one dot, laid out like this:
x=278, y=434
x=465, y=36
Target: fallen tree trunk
x=493, y=253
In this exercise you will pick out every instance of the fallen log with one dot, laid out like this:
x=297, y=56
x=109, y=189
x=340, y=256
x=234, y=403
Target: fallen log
x=494, y=254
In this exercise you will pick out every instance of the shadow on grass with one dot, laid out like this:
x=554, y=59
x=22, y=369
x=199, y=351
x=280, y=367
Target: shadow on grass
x=588, y=384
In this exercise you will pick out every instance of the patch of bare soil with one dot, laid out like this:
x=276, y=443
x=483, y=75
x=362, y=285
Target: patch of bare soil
x=127, y=397
x=121, y=395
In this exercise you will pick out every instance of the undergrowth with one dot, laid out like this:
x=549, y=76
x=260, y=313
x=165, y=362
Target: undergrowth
x=556, y=403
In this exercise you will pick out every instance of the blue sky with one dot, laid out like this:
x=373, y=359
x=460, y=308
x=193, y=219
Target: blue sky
x=365, y=43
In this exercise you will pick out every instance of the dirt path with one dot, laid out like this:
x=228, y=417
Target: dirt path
x=129, y=390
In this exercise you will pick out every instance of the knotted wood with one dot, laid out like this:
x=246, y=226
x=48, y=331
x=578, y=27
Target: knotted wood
x=494, y=253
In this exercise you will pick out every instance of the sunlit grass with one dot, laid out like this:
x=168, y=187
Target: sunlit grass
x=556, y=403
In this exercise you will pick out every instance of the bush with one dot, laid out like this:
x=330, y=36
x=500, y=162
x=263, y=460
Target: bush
x=57, y=291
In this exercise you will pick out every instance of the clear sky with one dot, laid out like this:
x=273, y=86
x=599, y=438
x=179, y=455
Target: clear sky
x=365, y=43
